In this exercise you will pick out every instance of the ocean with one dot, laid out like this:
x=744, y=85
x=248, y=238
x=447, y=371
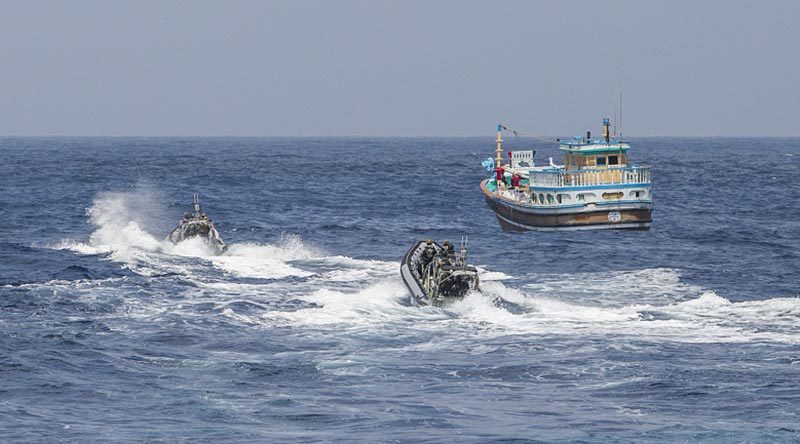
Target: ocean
x=303, y=331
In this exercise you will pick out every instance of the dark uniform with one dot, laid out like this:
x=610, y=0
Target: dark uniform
x=427, y=255
x=445, y=253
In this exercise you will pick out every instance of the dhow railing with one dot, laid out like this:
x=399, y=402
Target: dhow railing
x=588, y=177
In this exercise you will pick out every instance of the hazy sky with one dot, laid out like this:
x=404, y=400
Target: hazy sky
x=307, y=68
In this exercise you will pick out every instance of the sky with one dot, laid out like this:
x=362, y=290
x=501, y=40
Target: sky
x=398, y=68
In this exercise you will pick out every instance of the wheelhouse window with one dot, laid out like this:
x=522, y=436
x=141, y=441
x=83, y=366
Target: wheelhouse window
x=601, y=160
x=613, y=160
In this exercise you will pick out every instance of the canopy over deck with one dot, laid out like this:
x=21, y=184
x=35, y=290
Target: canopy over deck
x=581, y=145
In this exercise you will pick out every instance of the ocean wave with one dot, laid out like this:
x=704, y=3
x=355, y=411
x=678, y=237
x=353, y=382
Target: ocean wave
x=652, y=304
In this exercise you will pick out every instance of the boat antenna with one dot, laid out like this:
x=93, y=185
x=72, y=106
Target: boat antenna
x=198, y=210
x=464, y=240
x=620, y=114
x=615, y=120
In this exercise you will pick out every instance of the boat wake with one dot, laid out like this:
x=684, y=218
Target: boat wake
x=120, y=234
x=708, y=318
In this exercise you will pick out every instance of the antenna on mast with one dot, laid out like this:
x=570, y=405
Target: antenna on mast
x=464, y=249
x=620, y=114
x=198, y=210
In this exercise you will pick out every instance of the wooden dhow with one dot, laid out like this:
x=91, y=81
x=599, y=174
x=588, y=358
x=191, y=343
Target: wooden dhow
x=595, y=188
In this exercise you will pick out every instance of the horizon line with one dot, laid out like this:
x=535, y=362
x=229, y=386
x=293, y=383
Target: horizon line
x=362, y=136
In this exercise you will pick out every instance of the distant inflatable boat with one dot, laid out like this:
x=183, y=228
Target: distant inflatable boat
x=197, y=224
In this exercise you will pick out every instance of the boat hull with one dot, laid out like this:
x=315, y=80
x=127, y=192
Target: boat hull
x=418, y=295
x=202, y=229
x=515, y=217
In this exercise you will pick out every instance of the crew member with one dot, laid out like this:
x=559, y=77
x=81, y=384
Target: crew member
x=445, y=252
x=515, y=181
x=428, y=253
x=500, y=175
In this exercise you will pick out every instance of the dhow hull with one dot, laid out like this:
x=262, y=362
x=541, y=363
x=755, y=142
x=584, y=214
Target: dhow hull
x=609, y=216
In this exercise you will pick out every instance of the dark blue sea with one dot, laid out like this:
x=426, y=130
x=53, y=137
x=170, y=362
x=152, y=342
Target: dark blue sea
x=303, y=332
